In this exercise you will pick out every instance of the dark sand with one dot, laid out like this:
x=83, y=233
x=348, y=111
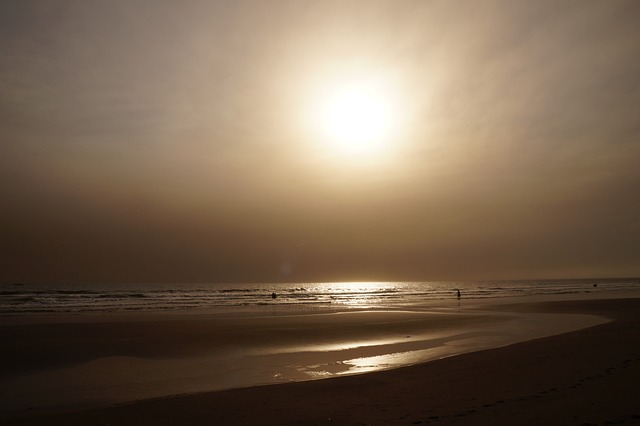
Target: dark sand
x=590, y=376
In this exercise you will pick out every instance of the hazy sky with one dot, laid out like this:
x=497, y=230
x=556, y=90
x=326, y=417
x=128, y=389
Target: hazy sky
x=175, y=141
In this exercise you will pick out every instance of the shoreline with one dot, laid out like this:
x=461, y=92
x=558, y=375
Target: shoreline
x=552, y=308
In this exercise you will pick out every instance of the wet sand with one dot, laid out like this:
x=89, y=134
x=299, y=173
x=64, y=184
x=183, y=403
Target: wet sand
x=581, y=377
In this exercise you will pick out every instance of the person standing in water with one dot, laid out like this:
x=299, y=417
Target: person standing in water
x=458, y=294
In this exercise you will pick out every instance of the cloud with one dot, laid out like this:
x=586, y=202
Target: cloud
x=174, y=136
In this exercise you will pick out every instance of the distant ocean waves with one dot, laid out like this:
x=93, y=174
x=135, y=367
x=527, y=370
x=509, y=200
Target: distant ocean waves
x=20, y=299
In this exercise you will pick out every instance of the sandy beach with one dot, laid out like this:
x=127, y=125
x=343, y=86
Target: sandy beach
x=163, y=367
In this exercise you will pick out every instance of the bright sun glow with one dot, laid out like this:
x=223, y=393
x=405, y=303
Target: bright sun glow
x=357, y=119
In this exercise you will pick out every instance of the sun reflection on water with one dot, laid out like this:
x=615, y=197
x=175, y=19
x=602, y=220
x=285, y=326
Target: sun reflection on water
x=361, y=293
x=392, y=360
x=371, y=363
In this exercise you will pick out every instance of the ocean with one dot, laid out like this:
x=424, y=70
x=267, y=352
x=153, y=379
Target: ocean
x=27, y=299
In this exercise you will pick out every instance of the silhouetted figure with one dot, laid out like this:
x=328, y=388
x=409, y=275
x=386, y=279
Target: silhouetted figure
x=274, y=295
x=458, y=294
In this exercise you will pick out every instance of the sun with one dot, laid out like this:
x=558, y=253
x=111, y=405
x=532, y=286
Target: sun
x=357, y=118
